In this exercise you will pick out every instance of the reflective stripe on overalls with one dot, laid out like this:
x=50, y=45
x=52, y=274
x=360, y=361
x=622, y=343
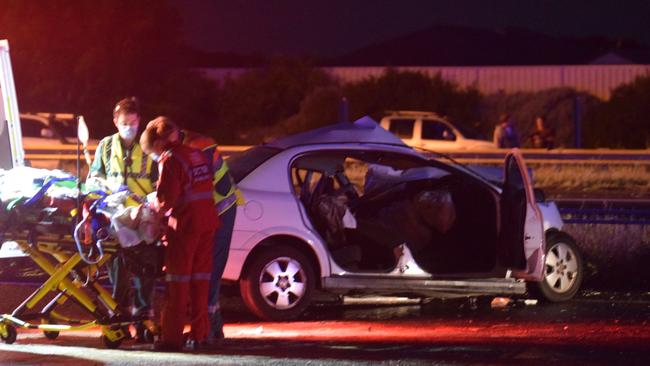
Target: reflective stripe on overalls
x=199, y=276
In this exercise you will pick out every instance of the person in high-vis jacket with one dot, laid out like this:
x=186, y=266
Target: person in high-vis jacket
x=227, y=197
x=184, y=197
x=119, y=158
x=120, y=161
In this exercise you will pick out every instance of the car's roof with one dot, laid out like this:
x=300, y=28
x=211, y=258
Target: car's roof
x=363, y=130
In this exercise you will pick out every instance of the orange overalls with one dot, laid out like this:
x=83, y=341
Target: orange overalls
x=185, y=196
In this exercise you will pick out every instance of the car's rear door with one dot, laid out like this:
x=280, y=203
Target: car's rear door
x=521, y=240
x=437, y=135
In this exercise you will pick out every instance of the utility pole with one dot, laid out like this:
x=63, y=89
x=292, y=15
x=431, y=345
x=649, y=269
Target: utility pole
x=344, y=111
x=577, y=121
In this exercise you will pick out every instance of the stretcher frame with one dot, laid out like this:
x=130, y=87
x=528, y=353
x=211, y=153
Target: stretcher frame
x=58, y=257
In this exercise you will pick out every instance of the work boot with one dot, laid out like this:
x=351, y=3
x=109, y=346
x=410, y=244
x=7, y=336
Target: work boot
x=192, y=345
x=127, y=333
x=140, y=336
x=216, y=328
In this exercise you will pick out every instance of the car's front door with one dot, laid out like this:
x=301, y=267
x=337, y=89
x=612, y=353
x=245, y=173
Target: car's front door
x=521, y=241
x=405, y=129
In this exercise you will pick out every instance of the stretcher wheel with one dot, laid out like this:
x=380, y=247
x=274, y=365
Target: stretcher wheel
x=111, y=344
x=51, y=334
x=11, y=334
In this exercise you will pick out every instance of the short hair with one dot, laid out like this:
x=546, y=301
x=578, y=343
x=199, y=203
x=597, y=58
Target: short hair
x=129, y=105
x=504, y=117
x=157, y=129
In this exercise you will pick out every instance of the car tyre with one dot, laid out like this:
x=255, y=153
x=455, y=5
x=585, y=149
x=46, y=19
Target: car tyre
x=278, y=283
x=563, y=269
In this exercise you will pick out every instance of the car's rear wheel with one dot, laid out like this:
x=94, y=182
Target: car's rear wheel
x=563, y=269
x=278, y=283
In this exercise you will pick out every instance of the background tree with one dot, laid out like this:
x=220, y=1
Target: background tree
x=405, y=90
x=82, y=56
x=261, y=98
x=391, y=90
x=624, y=120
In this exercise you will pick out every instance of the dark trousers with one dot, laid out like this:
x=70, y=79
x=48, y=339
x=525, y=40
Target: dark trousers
x=140, y=299
x=220, y=257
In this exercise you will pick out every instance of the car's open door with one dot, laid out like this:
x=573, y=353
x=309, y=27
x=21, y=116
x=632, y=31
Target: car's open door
x=521, y=241
x=11, y=147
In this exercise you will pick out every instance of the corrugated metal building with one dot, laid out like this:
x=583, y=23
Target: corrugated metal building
x=598, y=80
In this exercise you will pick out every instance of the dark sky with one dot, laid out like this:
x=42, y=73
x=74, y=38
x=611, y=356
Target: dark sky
x=334, y=27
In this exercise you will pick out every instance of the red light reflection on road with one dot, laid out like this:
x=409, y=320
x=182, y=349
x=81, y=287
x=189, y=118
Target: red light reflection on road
x=430, y=332
x=592, y=333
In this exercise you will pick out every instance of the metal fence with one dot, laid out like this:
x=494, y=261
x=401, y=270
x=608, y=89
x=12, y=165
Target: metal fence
x=598, y=80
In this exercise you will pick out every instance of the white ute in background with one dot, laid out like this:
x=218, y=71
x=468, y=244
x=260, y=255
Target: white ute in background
x=430, y=131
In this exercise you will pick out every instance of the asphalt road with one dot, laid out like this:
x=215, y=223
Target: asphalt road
x=596, y=329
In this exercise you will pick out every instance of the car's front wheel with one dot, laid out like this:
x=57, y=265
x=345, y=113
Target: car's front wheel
x=278, y=283
x=563, y=269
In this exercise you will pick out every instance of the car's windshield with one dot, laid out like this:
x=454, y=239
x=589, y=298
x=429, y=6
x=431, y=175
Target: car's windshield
x=242, y=164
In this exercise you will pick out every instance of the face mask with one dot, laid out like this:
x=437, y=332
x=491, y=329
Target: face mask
x=155, y=157
x=128, y=132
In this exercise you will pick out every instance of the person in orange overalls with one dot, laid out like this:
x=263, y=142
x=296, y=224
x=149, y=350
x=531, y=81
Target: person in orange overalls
x=184, y=196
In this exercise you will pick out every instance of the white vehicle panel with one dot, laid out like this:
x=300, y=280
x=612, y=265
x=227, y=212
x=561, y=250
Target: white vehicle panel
x=551, y=215
x=275, y=214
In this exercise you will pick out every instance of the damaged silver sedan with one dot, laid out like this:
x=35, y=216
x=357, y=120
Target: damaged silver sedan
x=350, y=209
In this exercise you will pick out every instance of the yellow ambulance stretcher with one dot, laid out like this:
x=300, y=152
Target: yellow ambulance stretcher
x=72, y=255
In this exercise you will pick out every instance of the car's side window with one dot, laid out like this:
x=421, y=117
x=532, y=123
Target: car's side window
x=402, y=128
x=348, y=173
x=435, y=130
x=304, y=180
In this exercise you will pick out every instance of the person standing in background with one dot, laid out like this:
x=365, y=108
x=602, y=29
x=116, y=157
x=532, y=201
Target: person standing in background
x=543, y=137
x=505, y=135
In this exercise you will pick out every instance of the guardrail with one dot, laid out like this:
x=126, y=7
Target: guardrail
x=605, y=211
x=532, y=156
x=555, y=156
x=574, y=211
x=493, y=156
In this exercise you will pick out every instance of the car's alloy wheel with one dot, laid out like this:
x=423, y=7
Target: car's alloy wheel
x=278, y=283
x=563, y=268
